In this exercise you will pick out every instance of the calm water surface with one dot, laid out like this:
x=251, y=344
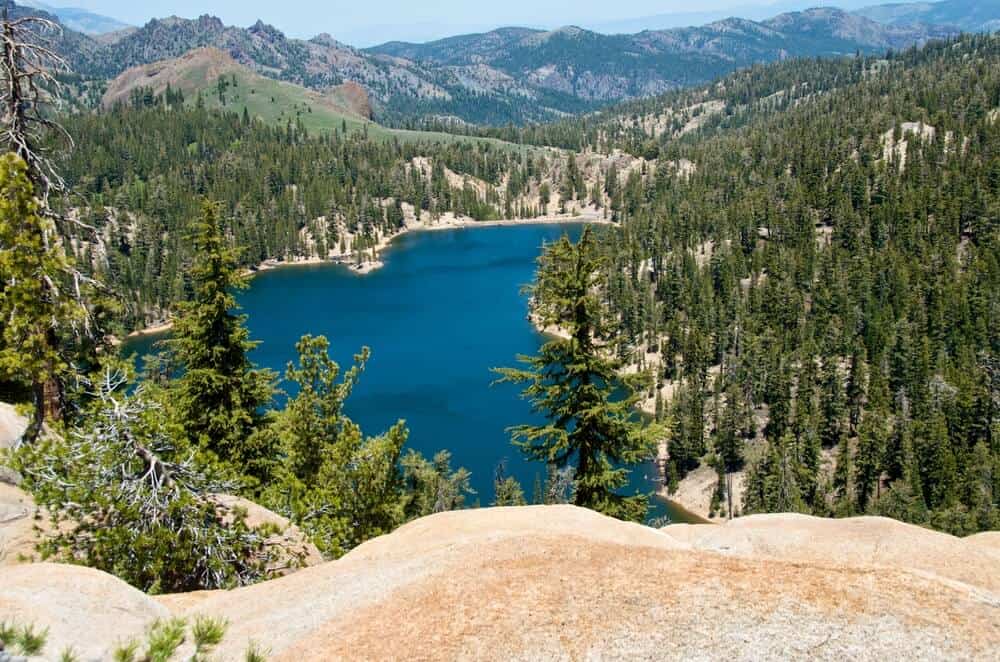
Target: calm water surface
x=446, y=307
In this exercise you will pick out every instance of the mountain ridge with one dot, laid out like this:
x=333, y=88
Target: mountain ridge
x=509, y=75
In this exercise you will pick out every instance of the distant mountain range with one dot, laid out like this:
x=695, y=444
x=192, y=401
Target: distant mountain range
x=967, y=15
x=516, y=74
x=80, y=20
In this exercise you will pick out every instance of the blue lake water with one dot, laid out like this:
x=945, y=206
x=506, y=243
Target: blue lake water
x=446, y=307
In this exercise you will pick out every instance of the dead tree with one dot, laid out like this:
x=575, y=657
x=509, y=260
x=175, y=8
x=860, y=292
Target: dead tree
x=27, y=85
x=27, y=63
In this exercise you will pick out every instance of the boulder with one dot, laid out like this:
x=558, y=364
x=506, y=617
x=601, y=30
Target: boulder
x=17, y=525
x=12, y=425
x=293, y=548
x=84, y=609
x=562, y=583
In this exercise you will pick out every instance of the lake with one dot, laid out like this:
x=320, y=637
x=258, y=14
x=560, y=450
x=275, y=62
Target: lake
x=446, y=307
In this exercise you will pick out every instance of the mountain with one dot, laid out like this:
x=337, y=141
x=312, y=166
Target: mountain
x=79, y=19
x=755, y=12
x=223, y=83
x=601, y=68
x=510, y=75
x=967, y=15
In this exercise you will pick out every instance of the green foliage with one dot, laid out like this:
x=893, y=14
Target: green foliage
x=773, y=483
x=31, y=641
x=207, y=633
x=431, y=486
x=25, y=639
x=125, y=497
x=577, y=388
x=255, y=653
x=8, y=631
x=35, y=303
x=506, y=489
x=164, y=638
x=218, y=398
x=338, y=485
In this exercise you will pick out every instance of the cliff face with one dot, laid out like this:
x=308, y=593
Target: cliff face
x=564, y=583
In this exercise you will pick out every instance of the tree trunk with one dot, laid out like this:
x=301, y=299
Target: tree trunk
x=52, y=400
x=34, y=428
x=729, y=492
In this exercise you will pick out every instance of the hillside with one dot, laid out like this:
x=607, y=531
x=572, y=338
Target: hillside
x=508, y=75
x=600, y=67
x=565, y=583
x=223, y=83
x=968, y=15
x=800, y=374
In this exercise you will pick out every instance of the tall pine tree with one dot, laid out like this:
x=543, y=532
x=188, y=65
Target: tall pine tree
x=590, y=409
x=219, y=397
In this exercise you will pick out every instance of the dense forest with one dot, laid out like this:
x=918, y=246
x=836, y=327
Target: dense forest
x=139, y=174
x=818, y=295
x=802, y=284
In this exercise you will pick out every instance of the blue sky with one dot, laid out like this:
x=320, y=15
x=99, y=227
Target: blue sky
x=366, y=22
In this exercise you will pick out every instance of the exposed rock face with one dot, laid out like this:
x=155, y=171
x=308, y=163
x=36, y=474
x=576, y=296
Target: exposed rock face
x=564, y=583
x=17, y=525
x=293, y=548
x=12, y=425
x=854, y=542
x=85, y=609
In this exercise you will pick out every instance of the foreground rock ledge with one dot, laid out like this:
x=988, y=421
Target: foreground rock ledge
x=560, y=582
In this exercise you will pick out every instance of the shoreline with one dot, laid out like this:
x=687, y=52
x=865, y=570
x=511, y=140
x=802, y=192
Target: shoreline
x=681, y=500
x=368, y=266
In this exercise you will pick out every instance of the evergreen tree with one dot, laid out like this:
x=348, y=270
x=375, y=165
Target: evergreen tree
x=507, y=491
x=590, y=426
x=35, y=306
x=339, y=486
x=772, y=483
x=432, y=486
x=219, y=398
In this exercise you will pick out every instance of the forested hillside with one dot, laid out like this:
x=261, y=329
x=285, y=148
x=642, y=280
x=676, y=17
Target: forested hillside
x=140, y=172
x=819, y=297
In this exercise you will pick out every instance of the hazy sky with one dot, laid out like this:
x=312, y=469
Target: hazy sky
x=371, y=21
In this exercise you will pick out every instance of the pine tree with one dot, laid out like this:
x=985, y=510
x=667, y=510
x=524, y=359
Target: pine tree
x=35, y=307
x=590, y=426
x=507, y=491
x=772, y=483
x=873, y=437
x=219, y=397
x=338, y=485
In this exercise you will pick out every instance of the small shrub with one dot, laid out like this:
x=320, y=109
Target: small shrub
x=30, y=641
x=165, y=637
x=255, y=653
x=207, y=632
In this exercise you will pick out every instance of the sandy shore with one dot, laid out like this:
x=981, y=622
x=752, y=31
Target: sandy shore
x=152, y=329
x=369, y=265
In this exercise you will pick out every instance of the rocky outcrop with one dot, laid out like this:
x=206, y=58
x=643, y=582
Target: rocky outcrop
x=12, y=425
x=564, y=583
x=17, y=525
x=854, y=542
x=291, y=547
x=85, y=610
